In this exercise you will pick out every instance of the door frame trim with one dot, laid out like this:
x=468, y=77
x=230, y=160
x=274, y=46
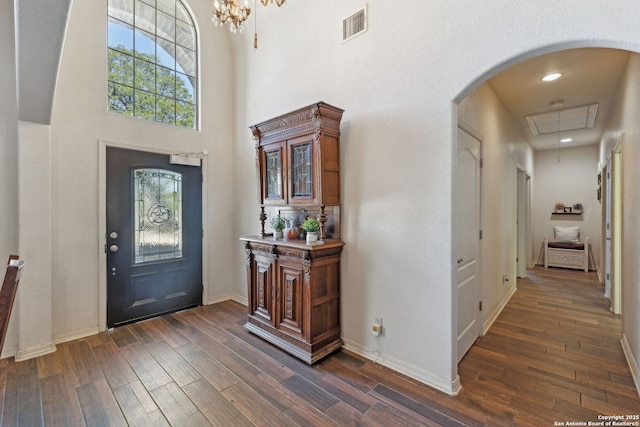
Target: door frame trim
x=102, y=222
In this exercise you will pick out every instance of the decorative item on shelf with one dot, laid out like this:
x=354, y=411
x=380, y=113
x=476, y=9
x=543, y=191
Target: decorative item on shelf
x=292, y=230
x=230, y=11
x=311, y=226
x=577, y=208
x=559, y=207
x=278, y=224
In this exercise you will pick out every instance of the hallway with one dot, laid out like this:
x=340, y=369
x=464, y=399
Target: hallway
x=553, y=355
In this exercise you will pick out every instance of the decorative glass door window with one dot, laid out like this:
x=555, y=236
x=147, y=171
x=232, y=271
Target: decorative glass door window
x=274, y=174
x=157, y=215
x=301, y=164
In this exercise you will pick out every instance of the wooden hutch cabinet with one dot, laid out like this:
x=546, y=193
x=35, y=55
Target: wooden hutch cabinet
x=294, y=286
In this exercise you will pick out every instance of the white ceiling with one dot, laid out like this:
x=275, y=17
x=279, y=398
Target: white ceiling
x=589, y=76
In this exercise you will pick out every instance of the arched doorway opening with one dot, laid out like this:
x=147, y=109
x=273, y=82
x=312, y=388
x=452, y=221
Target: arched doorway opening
x=510, y=153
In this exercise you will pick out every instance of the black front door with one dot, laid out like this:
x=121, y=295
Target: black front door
x=154, y=236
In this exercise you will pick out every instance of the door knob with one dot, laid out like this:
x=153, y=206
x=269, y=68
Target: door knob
x=113, y=248
x=113, y=235
x=459, y=260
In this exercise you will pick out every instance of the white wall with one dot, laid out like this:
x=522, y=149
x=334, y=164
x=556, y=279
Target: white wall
x=398, y=83
x=504, y=149
x=623, y=125
x=573, y=180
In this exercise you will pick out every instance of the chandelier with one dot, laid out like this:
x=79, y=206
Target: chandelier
x=268, y=2
x=232, y=12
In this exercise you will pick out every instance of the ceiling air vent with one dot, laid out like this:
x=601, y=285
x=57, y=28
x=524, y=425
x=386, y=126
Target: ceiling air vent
x=354, y=25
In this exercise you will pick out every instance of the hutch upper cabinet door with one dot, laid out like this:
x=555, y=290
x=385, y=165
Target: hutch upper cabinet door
x=302, y=172
x=273, y=171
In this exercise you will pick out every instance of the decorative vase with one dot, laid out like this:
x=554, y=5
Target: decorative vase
x=291, y=233
x=312, y=236
x=277, y=235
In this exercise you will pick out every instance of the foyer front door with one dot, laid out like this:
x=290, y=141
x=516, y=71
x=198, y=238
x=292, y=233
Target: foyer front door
x=154, y=236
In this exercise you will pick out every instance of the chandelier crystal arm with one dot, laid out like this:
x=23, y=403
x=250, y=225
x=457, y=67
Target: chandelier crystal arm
x=232, y=12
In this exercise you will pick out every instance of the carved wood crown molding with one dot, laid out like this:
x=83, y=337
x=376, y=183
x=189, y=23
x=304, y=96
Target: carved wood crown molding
x=318, y=115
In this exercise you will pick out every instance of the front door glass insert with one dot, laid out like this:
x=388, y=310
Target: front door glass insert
x=157, y=215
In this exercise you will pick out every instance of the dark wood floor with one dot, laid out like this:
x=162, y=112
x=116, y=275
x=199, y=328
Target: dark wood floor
x=553, y=355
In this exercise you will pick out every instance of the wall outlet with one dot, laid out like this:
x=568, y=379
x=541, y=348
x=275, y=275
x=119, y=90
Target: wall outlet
x=376, y=328
x=505, y=278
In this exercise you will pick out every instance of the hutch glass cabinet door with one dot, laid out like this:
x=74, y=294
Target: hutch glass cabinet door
x=302, y=174
x=273, y=175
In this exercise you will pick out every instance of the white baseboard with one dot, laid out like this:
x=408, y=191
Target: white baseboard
x=32, y=352
x=226, y=297
x=495, y=313
x=240, y=299
x=452, y=388
x=76, y=335
x=633, y=364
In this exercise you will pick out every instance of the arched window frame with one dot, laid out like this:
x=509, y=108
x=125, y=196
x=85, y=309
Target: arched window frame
x=153, y=61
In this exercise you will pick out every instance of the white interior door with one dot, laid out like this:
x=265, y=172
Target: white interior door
x=607, y=228
x=467, y=246
x=521, y=259
x=616, y=233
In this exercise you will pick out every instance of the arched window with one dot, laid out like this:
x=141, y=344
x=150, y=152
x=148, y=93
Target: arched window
x=152, y=61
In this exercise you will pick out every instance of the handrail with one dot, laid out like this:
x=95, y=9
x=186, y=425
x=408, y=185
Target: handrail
x=8, y=294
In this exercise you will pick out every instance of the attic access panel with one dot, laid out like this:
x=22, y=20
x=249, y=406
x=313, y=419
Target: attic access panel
x=582, y=117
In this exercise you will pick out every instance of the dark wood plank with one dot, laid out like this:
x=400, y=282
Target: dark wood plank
x=177, y=407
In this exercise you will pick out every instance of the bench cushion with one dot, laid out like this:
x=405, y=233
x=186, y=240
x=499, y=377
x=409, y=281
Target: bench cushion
x=566, y=245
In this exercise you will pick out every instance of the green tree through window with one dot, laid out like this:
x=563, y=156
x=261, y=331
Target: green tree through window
x=152, y=61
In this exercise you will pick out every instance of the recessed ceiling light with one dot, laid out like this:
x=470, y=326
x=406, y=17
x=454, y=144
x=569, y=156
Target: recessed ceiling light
x=551, y=77
x=566, y=140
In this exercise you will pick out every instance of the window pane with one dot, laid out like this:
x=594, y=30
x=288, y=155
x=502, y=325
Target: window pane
x=166, y=53
x=157, y=215
x=166, y=82
x=166, y=110
x=185, y=34
x=145, y=17
x=186, y=61
x=120, y=67
x=121, y=99
x=184, y=88
x=144, y=105
x=182, y=14
x=185, y=115
x=120, y=35
x=145, y=46
x=122, y=10
x=167, y=6
x=145, y=75
x=166, y=27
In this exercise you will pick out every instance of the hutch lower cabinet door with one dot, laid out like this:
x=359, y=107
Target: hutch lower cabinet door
x=294, y=295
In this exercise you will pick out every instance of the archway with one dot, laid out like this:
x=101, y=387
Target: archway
x=495, y=297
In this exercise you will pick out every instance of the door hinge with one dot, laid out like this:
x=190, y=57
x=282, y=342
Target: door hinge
x=480, y=305
x=481, y=162
x=480, y=235
x=607, y=276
